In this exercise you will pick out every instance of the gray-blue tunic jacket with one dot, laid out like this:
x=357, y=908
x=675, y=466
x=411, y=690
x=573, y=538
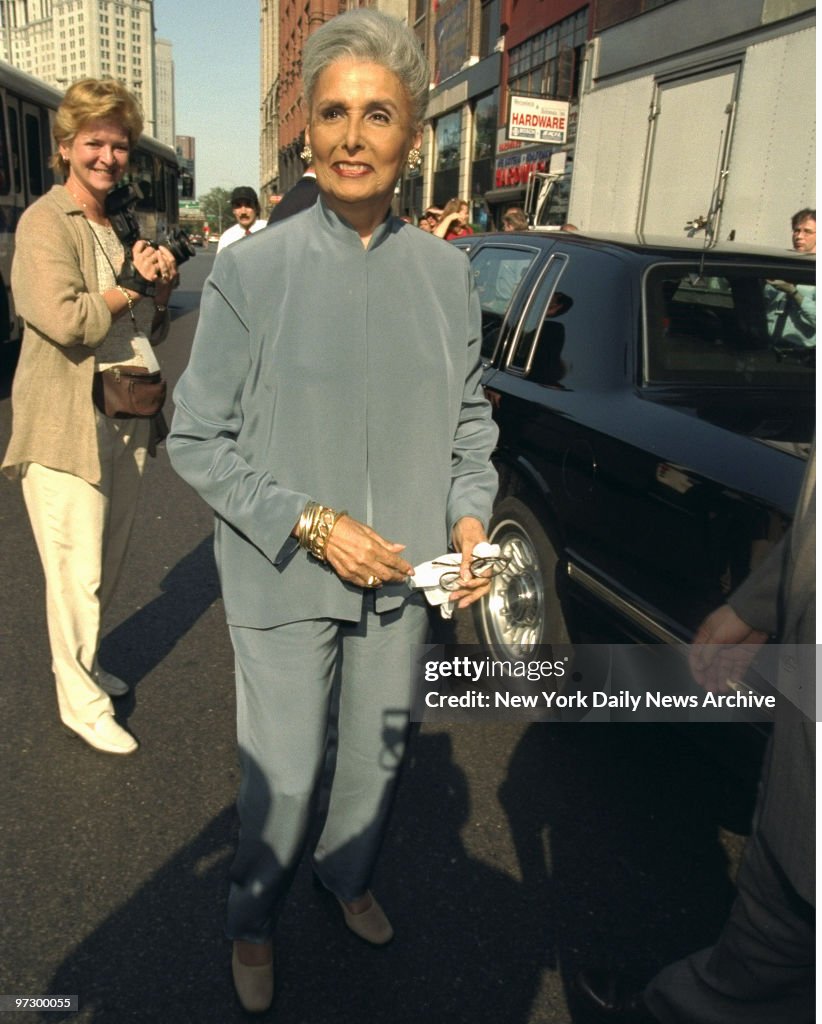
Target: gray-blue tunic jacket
x=324, y=370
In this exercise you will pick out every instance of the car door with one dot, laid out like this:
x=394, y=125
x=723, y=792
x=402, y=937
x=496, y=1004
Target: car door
x=725, y=414
x=559, y=389
x=655, y=508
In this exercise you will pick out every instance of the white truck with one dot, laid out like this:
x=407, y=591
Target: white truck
x=719, y=139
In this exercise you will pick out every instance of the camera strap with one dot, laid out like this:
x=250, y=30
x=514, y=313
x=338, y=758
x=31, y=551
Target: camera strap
x=129, y=276
x=114, y=272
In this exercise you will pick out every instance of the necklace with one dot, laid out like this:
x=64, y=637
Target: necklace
x=97, y=217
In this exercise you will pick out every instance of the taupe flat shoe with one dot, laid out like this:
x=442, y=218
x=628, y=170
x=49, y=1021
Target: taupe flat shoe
x=371, y=925
x=254, y=985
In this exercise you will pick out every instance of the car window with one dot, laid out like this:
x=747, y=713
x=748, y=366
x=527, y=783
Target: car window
x=739, y=328
x=498, y=270
x=577, y=322
x=530, y=355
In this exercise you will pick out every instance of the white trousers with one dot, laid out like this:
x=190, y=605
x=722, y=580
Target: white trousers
x=82, y=531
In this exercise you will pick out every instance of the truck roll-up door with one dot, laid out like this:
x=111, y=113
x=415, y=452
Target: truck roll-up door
x=688, y=152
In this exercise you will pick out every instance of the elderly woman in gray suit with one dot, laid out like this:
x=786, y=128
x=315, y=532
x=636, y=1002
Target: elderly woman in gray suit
x=337, y=427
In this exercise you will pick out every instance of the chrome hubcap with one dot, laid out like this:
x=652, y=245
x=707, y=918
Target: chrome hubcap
x=515, y=608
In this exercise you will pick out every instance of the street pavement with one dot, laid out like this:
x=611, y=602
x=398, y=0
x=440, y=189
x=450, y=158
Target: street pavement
x=518, y=851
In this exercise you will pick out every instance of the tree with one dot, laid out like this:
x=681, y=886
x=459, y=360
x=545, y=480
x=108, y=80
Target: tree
x=216, y=209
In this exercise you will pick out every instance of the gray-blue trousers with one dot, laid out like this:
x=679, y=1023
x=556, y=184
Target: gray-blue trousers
x=318, y=701
x=761, y=970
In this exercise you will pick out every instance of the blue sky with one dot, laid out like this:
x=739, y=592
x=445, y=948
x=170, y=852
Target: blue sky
x=217, y=85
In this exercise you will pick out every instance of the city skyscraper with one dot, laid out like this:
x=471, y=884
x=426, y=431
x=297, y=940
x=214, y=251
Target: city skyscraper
x=63, y=40
x=164, y=91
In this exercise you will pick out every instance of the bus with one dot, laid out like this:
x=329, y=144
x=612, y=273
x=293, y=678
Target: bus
x=28, y=107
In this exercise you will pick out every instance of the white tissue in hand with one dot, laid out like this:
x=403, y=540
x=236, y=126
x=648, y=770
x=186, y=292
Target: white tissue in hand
x=486, y=550
x=427, y=574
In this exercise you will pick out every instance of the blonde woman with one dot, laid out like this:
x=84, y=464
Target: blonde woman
x=81, y=470
x=454, y=220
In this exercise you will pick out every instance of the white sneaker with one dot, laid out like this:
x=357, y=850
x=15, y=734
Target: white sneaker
x=111, y=684
x=105, y=735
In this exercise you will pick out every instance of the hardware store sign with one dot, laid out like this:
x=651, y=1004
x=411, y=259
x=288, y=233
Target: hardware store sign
x=532, y=119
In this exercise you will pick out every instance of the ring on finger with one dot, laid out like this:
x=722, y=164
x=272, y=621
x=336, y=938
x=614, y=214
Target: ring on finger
x=373, y=581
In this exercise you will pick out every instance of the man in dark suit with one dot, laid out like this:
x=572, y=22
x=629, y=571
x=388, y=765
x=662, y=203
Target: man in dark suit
x=299, y=197
x=761, y=969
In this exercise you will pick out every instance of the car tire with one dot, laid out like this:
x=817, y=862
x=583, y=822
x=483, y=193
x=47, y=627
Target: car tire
x=522, y=610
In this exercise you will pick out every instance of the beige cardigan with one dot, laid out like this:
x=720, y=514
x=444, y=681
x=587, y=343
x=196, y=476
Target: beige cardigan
x=54, y=283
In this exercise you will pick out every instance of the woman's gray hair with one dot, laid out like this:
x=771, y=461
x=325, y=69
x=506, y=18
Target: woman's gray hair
x=364, y=34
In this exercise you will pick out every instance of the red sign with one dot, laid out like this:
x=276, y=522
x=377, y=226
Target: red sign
x=510, y=177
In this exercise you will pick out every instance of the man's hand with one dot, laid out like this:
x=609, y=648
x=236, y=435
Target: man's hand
x=723, y=648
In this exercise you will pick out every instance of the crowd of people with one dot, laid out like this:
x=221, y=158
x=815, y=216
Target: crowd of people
x=453, y=220
x=449, y=221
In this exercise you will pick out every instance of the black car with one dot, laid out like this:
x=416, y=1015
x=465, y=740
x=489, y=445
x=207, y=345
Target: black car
x=655, y=401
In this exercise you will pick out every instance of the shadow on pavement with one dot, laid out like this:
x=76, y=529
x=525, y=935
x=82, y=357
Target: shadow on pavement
x=620, y=846
x=607, y=852
x=619, y=863
x=188, y=589
x=471, y=941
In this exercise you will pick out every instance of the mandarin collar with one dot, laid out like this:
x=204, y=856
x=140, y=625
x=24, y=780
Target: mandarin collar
x=343, y=230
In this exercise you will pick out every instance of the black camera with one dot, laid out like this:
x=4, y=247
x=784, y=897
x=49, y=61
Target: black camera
x=119, y=206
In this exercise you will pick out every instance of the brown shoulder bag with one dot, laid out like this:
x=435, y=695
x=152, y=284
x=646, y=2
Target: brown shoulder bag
x=127, y=391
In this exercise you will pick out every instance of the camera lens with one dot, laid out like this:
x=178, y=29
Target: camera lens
x=180, y=246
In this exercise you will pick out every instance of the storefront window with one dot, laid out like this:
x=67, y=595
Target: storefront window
x=489, y=27
x=549, y=63
x=448, y=141
x=485, y=126
x=451, y=36
x=485, y=135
